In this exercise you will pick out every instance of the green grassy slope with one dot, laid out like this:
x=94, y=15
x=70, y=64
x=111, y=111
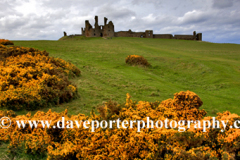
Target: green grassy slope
x=210, y=70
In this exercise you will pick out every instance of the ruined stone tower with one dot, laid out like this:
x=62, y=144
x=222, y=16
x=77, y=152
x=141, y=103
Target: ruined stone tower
x=106, y=30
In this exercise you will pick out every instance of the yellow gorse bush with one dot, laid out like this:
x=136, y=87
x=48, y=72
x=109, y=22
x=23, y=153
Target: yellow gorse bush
x=30, y=79
x=152, y=143
x=136, y=60
x=6, y=42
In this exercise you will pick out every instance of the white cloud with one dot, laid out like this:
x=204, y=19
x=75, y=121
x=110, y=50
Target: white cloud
x=194, y=17
x=47, y=19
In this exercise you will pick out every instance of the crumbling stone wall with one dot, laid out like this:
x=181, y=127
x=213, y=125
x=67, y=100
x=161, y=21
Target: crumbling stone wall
x=107, y=30
x=129, y=33
x=199, y=36
x=83, y=31
x=194, y=35
x=184, y=37
x=163, y=36
x=65, y=34
x=97, y=31
x=149, y=33
x=190, y=37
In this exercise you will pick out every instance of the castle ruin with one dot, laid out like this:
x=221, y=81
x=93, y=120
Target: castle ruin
x=107, y=30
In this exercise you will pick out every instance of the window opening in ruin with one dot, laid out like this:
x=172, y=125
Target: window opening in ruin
x=149, y=34
x=101, y=34
x=94, y=34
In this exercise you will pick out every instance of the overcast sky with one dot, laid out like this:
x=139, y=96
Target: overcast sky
x=218, y=20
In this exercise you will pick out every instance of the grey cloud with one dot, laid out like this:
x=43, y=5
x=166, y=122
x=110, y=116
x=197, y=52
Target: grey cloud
x=78, y=4
x=172, y=7
x=39, y=24
x=115, y=12
x=218, y=20
x=7, y=9
x=10, y=23
x=208, y=22
x=220, y=4
x=58, y=14
x=155, y=2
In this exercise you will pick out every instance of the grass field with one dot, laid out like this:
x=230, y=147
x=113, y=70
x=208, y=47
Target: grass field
x=210, y=70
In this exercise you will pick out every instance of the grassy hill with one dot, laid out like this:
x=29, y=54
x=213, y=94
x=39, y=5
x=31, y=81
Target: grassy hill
x=210, y=70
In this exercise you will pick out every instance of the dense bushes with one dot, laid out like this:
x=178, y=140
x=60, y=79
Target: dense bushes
x=6, y=42
x=153, y=143
x=30, y=79
x=136, y=60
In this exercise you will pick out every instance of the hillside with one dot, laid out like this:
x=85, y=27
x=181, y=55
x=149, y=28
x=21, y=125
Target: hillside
x=210, y=70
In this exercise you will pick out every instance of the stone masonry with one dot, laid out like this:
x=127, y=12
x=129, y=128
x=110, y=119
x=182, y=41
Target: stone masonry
x=107, y=30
